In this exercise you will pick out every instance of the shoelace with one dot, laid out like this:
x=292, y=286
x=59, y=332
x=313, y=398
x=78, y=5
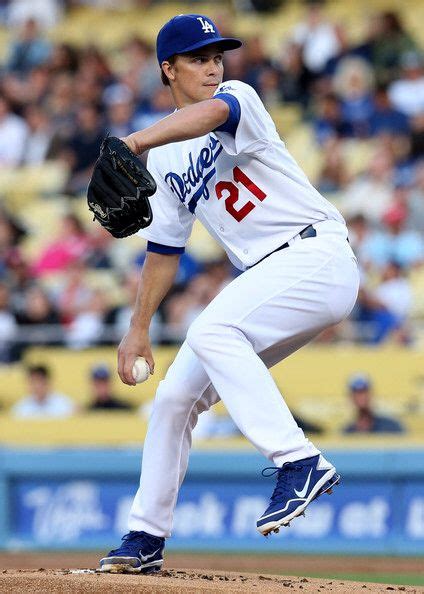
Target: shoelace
x=284, y=476
x=138, y=539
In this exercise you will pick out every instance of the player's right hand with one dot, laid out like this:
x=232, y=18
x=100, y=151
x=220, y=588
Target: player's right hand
x=136, y=343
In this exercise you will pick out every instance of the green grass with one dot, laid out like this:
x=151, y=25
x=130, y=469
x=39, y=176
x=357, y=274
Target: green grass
x=414, y=579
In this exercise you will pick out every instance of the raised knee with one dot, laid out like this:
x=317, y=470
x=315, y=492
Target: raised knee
x=193, y=337
x=209, y=336
x=200, y=335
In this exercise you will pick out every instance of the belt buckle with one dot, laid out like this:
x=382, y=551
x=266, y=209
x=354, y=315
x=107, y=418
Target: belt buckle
x=307, y=232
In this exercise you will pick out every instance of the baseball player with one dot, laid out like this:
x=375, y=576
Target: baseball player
x=219, y=158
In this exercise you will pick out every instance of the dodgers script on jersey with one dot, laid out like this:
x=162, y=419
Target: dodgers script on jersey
x=246, y=189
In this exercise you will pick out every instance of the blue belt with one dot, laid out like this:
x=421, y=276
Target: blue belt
x=308, y=231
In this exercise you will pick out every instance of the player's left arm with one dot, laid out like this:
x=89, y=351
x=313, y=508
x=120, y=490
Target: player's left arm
x=188, y=122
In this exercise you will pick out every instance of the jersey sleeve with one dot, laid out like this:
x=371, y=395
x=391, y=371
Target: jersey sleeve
x=233, y=120
x=172, y=222
x=249, y=135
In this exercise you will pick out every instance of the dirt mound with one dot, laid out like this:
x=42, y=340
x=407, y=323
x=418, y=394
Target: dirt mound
x=176, y=581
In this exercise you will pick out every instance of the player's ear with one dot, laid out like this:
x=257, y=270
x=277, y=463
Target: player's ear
x=168, y=70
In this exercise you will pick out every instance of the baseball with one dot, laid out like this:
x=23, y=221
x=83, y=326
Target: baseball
x=140, y=370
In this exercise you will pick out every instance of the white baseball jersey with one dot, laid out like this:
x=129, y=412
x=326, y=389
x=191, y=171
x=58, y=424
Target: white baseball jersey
x=245, y=187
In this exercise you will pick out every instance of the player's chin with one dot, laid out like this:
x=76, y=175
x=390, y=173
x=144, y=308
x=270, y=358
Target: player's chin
x=208, y=91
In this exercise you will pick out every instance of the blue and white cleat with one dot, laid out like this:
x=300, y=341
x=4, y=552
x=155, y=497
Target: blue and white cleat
x=139, y=552
x=298, y=483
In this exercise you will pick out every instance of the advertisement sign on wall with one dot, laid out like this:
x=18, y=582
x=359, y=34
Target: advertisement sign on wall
x=83, y=512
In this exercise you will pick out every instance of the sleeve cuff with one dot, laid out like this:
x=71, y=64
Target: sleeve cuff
x=232, y=122
x=159, y=248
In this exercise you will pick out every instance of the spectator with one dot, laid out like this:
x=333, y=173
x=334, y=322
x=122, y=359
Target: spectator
x=159, y=107
x=101, y=392
x=42, y=401
x=21, y=281
x=13, y=134
x=82, y=149
x=330, y=121
x=353, y=82
x=29, y=50
x=383, y=312
x=257, y=62
x=4, y=5
x=140, y=72
x=395, y=242
x=33, y=88
x=347, y=50
x=46, y=12
x=8, y=326
x=86, y=329
x=69, y=246
x=407, y=93
x=366, y=419
x=39, y=322
x=333, y=176
x=389, y=41
x=394, y=291
x=64, y=59
x=88, y=89
x=385, y=119
x=93, y=66
x=417, y=137
x=11, y=234
x=416, y=201
x=295, y=77
x=60, y=105
x=39, y=135
x=360, y=231
x=370, y=194
x=72, y=294
x=236, y=64
x=100, y=243
x=120, y=110
x=317, y=38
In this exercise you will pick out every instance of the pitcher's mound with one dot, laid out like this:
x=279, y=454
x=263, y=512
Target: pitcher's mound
x=175, y=581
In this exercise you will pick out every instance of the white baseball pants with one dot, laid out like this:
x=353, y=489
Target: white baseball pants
x=257, y=320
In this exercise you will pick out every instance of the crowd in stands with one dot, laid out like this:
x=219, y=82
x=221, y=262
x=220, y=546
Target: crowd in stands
x=57, y=101
x=43, y=401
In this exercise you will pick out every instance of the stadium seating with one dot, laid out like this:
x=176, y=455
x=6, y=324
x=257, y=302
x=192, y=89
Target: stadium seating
x=318, y=395
x=113, y=27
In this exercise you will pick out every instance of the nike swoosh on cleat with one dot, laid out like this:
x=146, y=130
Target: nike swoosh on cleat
x=303, y=492
x=145, y=558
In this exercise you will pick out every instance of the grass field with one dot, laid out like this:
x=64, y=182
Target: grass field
x=413, y=579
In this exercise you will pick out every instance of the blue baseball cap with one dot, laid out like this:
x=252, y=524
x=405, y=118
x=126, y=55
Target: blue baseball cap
x=100, y=372
x=188, y=32
x=359, y=382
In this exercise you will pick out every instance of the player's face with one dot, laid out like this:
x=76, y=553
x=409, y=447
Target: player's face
x=196, y=76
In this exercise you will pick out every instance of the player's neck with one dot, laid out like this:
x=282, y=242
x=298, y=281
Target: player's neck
x=180, y=99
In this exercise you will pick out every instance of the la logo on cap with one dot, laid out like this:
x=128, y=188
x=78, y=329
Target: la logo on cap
x=206, y=25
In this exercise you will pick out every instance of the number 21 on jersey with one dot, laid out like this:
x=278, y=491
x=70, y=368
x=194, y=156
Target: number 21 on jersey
x=233, y=194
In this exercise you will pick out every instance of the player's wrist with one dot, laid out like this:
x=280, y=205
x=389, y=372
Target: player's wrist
x=133, y=143
x=141, y=326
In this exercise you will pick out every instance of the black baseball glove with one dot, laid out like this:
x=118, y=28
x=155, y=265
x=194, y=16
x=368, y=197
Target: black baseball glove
x=119, y=189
